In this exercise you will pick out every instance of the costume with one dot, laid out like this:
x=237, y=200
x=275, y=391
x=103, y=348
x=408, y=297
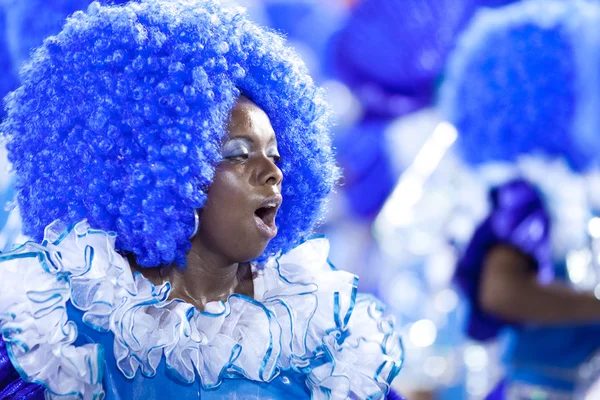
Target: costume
x=135, y=101
x=78, y=322
x=538, y=359
x=503, y=109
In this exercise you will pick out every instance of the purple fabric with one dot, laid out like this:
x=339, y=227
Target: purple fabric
x=518, y=218
x=12, y=387
x=394, y=396
x=498, y=392
x=392, y=53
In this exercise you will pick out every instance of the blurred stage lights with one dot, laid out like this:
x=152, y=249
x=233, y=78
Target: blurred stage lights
x=440, y=266
x=594, y=227
x=578, y=263
x=423, y=333
x=477, y=385
x=476, y=358
x=404, y=290
x=435, y=366
x=397, y=210
x=597, y=292
x=446, y=301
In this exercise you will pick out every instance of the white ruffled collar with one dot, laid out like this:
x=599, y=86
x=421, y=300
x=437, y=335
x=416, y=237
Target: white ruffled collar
x=299, y=320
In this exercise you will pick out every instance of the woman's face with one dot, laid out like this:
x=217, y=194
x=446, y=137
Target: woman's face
x=238, y=219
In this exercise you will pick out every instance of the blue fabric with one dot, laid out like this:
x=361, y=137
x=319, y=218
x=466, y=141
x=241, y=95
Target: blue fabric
x=298, y=338
x=163, y=386
x=543, y=356
x=287, y=385
x=549, y=356
x=12, y=387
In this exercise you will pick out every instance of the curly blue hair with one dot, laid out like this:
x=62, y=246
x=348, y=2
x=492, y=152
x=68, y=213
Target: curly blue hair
x=24, y=24
x=29, y=22
x=523, y=79
x=120, y=118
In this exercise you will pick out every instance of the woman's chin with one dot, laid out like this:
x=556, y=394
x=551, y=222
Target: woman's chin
x=257, y=252
x=250, y=250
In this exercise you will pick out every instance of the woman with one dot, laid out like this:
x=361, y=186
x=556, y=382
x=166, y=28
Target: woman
x=161, y=121
x=512, y=283
x=520, y=83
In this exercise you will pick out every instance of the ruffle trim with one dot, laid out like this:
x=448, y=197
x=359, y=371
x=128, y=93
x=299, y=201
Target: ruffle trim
x=300, y=320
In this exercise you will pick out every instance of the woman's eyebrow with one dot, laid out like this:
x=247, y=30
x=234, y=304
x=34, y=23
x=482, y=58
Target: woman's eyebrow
x=250, y=140
x=244, y=138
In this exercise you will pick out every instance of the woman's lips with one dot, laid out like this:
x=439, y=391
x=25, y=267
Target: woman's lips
x=267, y=228
x=264, y=216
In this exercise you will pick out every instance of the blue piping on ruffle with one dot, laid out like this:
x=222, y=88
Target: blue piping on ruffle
x=304, y=363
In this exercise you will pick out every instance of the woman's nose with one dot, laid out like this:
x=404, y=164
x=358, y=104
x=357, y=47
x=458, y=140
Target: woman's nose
x=270, y=173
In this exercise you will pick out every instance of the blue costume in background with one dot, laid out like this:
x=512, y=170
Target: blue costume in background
x=543, y=357
x=521, y=82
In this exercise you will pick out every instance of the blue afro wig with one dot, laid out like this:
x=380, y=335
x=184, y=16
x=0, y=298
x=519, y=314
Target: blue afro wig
x=120, y=118
x=524, y=79
x=29, y=22
x=24, y=24
x=8, y=79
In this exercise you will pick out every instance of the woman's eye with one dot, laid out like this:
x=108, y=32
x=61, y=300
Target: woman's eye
x=235, y=150
x=276, y=158
x=237, y=157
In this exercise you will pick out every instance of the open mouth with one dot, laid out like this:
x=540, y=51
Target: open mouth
x=267, y=214
x=265, y=217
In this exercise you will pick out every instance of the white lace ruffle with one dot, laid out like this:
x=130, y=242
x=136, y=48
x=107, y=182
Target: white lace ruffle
x=300, y=320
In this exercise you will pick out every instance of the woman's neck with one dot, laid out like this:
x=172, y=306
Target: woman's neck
x=206, y=278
